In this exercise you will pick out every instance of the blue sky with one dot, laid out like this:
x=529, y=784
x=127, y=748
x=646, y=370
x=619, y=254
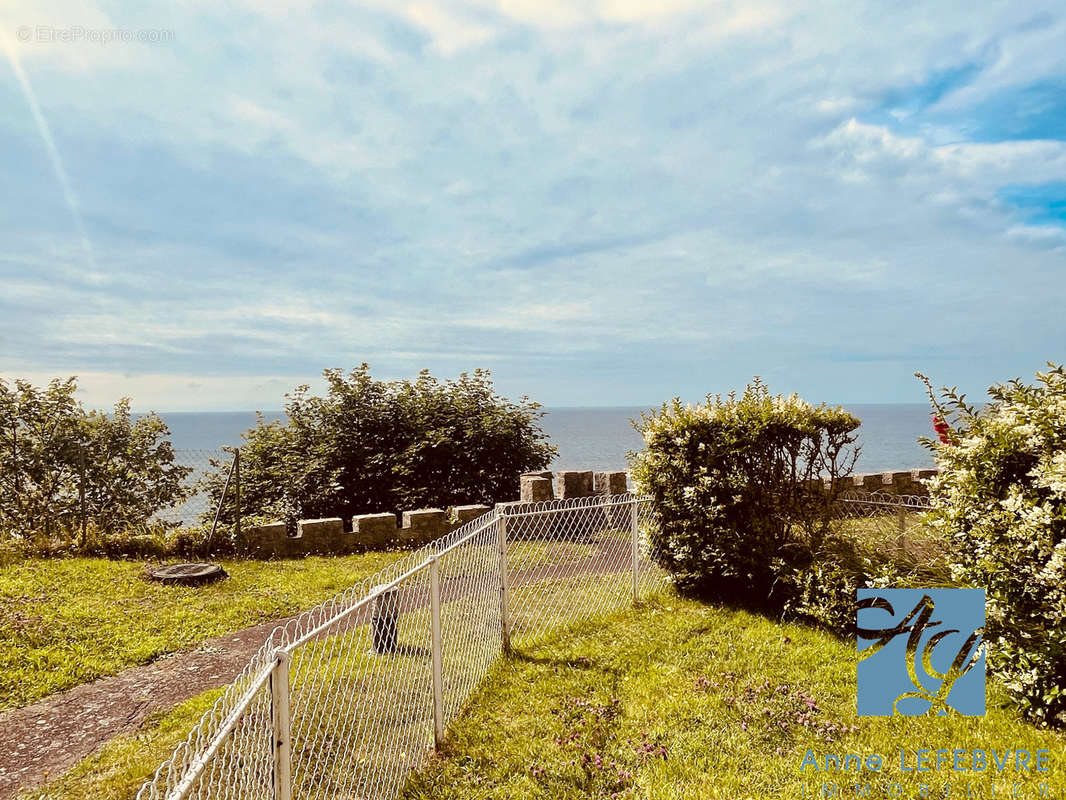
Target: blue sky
x=604, y=204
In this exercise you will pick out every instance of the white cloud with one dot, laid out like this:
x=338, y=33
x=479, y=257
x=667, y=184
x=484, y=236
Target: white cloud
x=750, y=18
x=982, y=166
x=641, y=11
x=549, y=14
x=170, y=392
x=835, y=105
x=286, y=187
x=1039, y=234
x=449, y=32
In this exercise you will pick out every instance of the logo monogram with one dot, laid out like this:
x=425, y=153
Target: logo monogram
x=920, y=652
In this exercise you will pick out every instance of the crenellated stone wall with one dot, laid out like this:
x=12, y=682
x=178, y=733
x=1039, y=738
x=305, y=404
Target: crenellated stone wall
x=417, y=527
x=368, y=532
x=420, y=526
x=569, y=483
x=906, y=482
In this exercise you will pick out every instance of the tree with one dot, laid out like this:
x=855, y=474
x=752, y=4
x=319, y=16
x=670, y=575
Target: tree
x=129, y=468
x=371, y=445
x=60, y=465
x=39, y=440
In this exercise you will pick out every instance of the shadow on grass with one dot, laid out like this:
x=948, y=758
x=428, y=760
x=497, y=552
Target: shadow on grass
x=580, y=662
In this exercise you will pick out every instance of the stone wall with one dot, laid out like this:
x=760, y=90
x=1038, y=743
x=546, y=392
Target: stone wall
x=367, y=532
x=569, y=483
x=421, y=526
x=907, y=482
x=414, y=528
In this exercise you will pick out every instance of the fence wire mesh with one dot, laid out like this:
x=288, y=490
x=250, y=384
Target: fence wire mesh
x=887, y=522
x=346, y=700
x=575, y=549
x=197, y=505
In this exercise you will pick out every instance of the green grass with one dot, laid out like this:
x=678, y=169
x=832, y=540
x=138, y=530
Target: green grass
x=382, y=697
x=684, y=700
x=71, y=620
x=677, y=699
x=66, y=621
x=531, y=554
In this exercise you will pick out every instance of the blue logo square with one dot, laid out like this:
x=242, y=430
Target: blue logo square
x=921, y=652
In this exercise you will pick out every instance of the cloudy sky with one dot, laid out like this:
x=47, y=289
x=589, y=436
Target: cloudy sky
x=603, y=203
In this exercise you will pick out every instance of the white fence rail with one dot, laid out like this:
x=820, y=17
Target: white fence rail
x=350, y=697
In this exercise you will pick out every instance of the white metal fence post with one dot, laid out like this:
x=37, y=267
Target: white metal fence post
x=282, y=741
x=505, y=583
x=435, y=647
x=634, y=546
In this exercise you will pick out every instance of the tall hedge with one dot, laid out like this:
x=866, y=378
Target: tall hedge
x=734, y=482
x=371, y=445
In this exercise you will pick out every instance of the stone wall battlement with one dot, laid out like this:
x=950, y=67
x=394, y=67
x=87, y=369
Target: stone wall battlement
x=416, y=527
x=898, y=483
x=420, y=526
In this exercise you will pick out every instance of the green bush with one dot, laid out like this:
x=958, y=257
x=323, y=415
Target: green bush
x=197, y=542
x=136, y=546
x=736, y=487
x=62, y=465
x=372, y=445
x=1000, y=499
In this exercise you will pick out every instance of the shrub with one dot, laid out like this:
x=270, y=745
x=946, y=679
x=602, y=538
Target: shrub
x=372, y=445
x=197, y=541
x=127, y=545
x=736, y=486
x=822, y=591
x=1000, y=499
x=62, y=465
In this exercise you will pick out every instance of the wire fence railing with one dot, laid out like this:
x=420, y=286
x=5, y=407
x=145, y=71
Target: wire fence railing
x=350, y=697
x=197, y=504
x=886, y=521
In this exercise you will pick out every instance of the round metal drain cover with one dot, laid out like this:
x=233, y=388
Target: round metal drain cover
x=187, y=574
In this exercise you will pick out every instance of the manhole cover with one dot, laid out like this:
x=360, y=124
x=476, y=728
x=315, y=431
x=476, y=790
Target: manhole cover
x=187, y=574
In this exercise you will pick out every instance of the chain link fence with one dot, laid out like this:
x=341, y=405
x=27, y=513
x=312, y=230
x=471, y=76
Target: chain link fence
x=892, y=523
x=350, y=697
x=197, y=504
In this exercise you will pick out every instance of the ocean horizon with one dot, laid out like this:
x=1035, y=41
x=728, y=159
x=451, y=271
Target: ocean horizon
x=600, y=437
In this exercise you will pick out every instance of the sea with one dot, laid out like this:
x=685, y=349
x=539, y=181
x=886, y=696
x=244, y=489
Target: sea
x=600, y=438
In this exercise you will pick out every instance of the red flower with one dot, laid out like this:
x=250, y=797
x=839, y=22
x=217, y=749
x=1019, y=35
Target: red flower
x=943, y=430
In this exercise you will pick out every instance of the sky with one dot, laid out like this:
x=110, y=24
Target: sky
x=609, y=203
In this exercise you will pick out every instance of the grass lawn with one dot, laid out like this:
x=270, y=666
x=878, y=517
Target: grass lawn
x=70, y=620
x=675, y=700
x=684, y=700
x=906, y=539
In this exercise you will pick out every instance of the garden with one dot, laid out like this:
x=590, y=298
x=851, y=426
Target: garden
x=721, y=685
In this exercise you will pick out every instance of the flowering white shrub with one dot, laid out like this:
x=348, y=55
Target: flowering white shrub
x=1000, y=499
x=735, y=489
